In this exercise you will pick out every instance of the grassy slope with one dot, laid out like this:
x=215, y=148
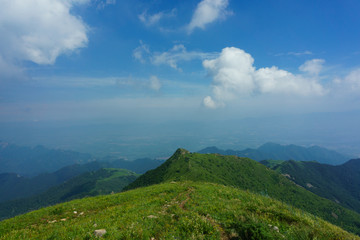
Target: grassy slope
x=103, y=181
x=249, y=175
x=337, y=183
x=182, y=210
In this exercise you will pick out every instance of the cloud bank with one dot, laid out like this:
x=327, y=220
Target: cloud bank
x=39, y=30
x=206, y=12
x=234, y=76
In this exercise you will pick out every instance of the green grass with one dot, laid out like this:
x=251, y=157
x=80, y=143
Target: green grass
x=100, y=182
x=181, y=210
x=249, y=175
x=340, y=184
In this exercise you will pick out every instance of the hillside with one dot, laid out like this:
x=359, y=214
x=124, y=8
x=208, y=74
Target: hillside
x=103, y=181
x=340, y=184
x=250, y=175
x=14, y=186
x=29, y=161
x=181, y=210
x=285, y=152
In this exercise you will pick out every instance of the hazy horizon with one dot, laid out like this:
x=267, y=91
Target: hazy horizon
x=139, y=79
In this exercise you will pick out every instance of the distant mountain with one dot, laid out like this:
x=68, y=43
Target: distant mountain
x=340, y=183
x=181, y=210
x=102, y=181
x=13, y=186
x=285, y=152
x=139, y=165
x=250, y=175
x=29, y=161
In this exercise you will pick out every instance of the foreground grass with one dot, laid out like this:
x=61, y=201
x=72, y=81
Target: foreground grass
x=182, y=210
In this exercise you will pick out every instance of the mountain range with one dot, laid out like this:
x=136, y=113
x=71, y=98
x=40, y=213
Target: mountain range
x=303, y=192
x=285, y=152
x=195, y=196
x=31, y=161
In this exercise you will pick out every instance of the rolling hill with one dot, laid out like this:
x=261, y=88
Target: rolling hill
x=102, y=181
x=285, y=152
x=249, y=175
x=14, y=186
x=340, y=183
x=181, y=210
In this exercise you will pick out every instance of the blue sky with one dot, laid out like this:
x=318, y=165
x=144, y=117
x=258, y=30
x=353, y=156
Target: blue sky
x=158, y=60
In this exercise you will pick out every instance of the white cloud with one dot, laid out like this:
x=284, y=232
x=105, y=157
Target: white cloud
x=350, y=82
x=234, y=75
x=313, y=66
x=142, y=52
x=209, y=102
x=9, y=71
x=152, y=83
x=150, y=20
x=155, y=83
x=178, y=54
x=208, y=11
x=40, y=30
x=104, y=3
x=307, y=52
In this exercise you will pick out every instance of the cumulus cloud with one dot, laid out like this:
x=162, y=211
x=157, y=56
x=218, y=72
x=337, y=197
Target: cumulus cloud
x=208, y=11
x=178, y=54
x=40, y=30
x=209, y=102
x=234, y=75
x=313, y=66
x=150, y=20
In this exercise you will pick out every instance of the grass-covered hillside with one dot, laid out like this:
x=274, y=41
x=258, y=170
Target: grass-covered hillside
x=250, y=175
x=340, y=184
x=174, y=210
x=103, y=181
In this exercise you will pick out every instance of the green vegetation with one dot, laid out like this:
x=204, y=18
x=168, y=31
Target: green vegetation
x=250, y=175
x=103, y=181
x=340, y=184
x=13, y=186
x=182, y=210
x=271, y=163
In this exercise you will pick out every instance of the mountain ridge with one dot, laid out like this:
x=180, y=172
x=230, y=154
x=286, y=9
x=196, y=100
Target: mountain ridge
x=285, y=152
x=246, y=174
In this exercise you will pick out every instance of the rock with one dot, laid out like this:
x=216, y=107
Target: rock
x=152, y=216
x=99, y=232
x=276, y=228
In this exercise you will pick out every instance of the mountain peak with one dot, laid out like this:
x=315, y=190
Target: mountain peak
x=181, y=151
